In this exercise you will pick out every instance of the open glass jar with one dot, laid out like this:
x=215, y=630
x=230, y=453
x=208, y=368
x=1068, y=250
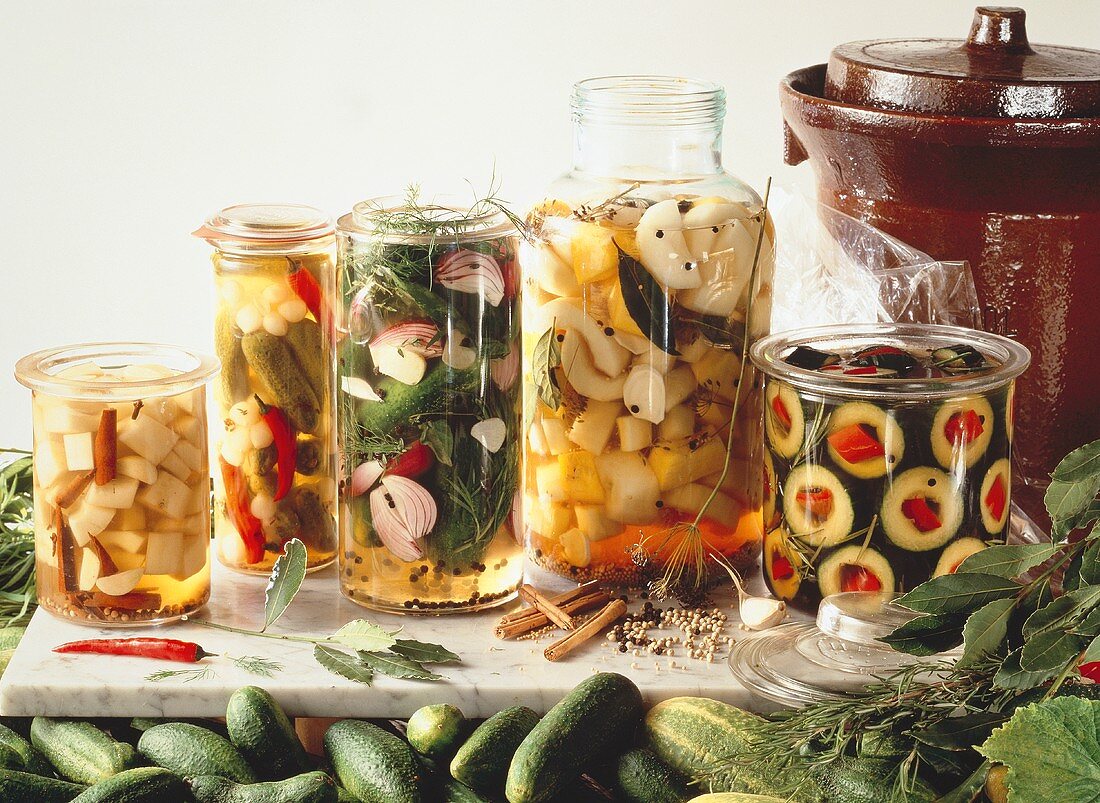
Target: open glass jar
x=276, y=477
x=648, y=275
x=889, y=454
x=121, y=481
x=429, y=399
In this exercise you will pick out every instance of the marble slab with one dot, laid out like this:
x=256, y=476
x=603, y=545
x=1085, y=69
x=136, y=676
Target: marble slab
x=493, y=674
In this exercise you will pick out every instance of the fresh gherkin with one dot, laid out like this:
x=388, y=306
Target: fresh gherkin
x=307, y=344
x=234, y=372
x=317, y=526
x=272, y=359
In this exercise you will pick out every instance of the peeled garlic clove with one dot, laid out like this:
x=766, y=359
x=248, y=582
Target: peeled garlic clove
x=760, y=613
x=249, y=319
x=644, y=393
x=359, y=388
x=664, y=249
x=490, y=433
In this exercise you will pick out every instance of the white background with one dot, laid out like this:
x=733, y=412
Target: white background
x=123, y=123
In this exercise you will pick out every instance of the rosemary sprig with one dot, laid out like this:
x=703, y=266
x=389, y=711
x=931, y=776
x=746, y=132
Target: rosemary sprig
x=17, y=577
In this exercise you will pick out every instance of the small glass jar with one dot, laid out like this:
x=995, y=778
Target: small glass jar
x=121, y=481
x=889, y=454
x=429, y=394
x=276, y=478
x=648, y=275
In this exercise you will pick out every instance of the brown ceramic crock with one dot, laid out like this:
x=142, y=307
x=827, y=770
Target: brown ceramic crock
x=985, y=149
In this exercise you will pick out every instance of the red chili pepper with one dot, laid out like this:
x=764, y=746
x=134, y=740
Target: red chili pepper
x=164, y=649
x=239, y=510
x=781, y=412
x=818, y=501
x=996, y=499
x=924, y=518
x=863, y=370
x=286, y=446
x=781, y=568
x=306, y=287
x=854, y=444
x=414, y=461
x=1091, y=670
x=854, y=577
x=963, y=427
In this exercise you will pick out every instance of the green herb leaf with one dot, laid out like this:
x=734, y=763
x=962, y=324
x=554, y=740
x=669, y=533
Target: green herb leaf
x=1010, y=675
x=1052, y=751
x=1090, y=564
x=438, y=437
x=1049, y=617
x=1049, y=650
x=1007, y=561
x=361, y=635
x=960, y=733
x=545, y=358
x=1080, y=464
x=927, y=635
x=1092, y=652
x=985, y=630
x=968, y=790
x=424, y=652
x=1066, y=500
x=951, y=593
x=1063, y=527
x=340, y=663
x=647, y=303
x=286, y=578
x=397, y=666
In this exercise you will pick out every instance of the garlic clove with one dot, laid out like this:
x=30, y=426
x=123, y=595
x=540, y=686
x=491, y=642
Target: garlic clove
x=761, y=613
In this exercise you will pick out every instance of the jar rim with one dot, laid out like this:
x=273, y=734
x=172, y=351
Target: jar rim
x=445, y=216
x=648, y=100
x=265, y=226
x=38, y=371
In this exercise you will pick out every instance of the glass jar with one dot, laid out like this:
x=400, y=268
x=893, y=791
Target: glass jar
x=429, y=399
x=889, y=454
x=275, y=278
x=121, y=481
x=646, y=277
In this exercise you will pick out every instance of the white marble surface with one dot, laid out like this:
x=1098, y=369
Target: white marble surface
x=493, y=673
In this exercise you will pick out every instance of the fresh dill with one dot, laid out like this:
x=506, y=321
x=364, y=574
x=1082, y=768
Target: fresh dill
x=184, y=675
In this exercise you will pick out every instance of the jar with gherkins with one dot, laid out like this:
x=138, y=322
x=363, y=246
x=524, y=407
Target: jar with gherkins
x=276, y=450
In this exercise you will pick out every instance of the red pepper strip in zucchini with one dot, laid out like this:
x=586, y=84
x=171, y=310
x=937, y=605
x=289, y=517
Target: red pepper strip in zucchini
x=414, y=461
x=818, y=501
x=163, y=649
x=861, y=370
x=305, y=286
x=781, y=568
x=996, y=498
x=854, y=444
x=924, y=518
x=239, y=510
x=856, y=578
x=963, y=427
x=781, y=412
x=286, y=446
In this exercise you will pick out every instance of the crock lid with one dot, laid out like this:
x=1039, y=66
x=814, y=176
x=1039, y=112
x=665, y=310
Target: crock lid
x=994, y=72
x=266, y=223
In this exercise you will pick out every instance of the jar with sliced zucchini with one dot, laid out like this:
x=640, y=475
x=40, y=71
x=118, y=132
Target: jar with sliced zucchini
x=889, y=454
x=647, y=274
x=429, y=397
x=121, y=481
x=275, y=275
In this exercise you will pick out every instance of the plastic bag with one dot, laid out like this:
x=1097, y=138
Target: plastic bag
x=832, y=268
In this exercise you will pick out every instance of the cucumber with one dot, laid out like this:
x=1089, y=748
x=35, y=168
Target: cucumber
x=375, y=766
x=454, y=792
x=862, y=780
x=264, y=735
x=317, y=527
x=18, y=786
x=482, y=761
x=644, y=778
x=142, y=724
x=401, y=401
x=140, y=785
x=9, y=759
x=80, y=751
x=234, y=373
x=309, y=787
x=190, y=751
x=435, y=730
x=32, y=760
x=307, y=344
x=273, y=361
x=598, y=714
x=344, y=796
x=736, y=797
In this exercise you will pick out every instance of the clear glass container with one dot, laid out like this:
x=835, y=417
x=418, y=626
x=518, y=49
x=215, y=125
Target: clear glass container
x=430, y=405
x=642, y=288
x=889, y=454
x=275, y=276
x=121, y=481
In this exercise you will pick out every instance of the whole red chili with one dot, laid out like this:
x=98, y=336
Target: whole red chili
x=286, y=446
x=164, y=649
x=306, y=287
x=238, y=508
x=414, y=461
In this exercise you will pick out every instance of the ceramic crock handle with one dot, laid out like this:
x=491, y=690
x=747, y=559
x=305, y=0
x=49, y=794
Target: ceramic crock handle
x=998, y=29
x=793, y=152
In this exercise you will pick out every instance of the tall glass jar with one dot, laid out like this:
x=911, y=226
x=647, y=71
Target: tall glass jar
x=429, y=398
x=646, y=279
x=121, y=481
x=276, y=478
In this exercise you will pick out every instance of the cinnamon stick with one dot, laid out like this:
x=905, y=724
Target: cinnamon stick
x=613, y=611
x=568, y=596
x=107, y=564
x=538, y=619
x=71, y=492
x=106, y=446
x=65, y=547
x=546, y=607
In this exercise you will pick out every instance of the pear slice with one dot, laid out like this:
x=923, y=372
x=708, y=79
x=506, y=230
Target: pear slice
x=664, y=249
x=116, y=585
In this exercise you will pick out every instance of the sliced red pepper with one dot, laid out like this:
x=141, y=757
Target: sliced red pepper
x=164, y=649
x=854, y=577
x=918, y=511
x=855, y=444
x=781, y=568
x=996, y=499
x=306, y=287
x=818, y=501
x=286, y=446
x=781, y=412
x=862, y=370
x=238, y=508
x=963, y=427
x=414, y=461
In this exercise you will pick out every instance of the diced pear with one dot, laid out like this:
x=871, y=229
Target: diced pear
x=576, y=548
x=190, y=454
x=569, y=314
x=593, y=521
x=147, y=437
x=549, y=482
x=404, y=365
x=118, y=493
x=661, y=361
x=116, y=541
x=143, y=372
x=592, y=428
x=174, y=465
x=677, y=465
x=167, y=495
x=116, y=585
x=553, y=274
x=679, y=385
x=49, y=461
x=200, y=499
x=548, y=519
x=79, y=451
x=703, y=224
x=664, y=249
x=632, y=489
x=679, y=423
x=635, y=434
x=190, y=429
x=196, y=549
x=136, y=466
x=557, y=438
x=581, y=372
x=198, y=523
x=593, y=252
x=694, y=350
x=644, y=393
x=163, y=553
x=718, y=372
x=89, y=569
x=190, y=403
x=61, y=419
x=89, y=520
x=162, y=409
x=166, y=524
x=692, y=497
x=579, y=478
x=536, y=439
x=132, y=518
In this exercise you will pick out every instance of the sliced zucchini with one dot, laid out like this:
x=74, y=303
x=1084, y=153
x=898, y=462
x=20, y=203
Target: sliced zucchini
x=864, y=439
x=922, y=509
x=782, y=564
x=784, y=421
x=995, y=495
x=771, y=489
x=961, y=431
x=955, y=553
x=817, y=506
x=1010, y=411
x=855, y=568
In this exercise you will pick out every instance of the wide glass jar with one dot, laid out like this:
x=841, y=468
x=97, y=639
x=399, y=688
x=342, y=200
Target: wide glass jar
x=276, y=450
x=647, y=276
x=429, y=398
x=889, y=454
x=121, y=481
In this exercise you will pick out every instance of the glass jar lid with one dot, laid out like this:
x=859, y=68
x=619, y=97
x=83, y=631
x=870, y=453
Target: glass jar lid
x=418, y=219
x=265, y=227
